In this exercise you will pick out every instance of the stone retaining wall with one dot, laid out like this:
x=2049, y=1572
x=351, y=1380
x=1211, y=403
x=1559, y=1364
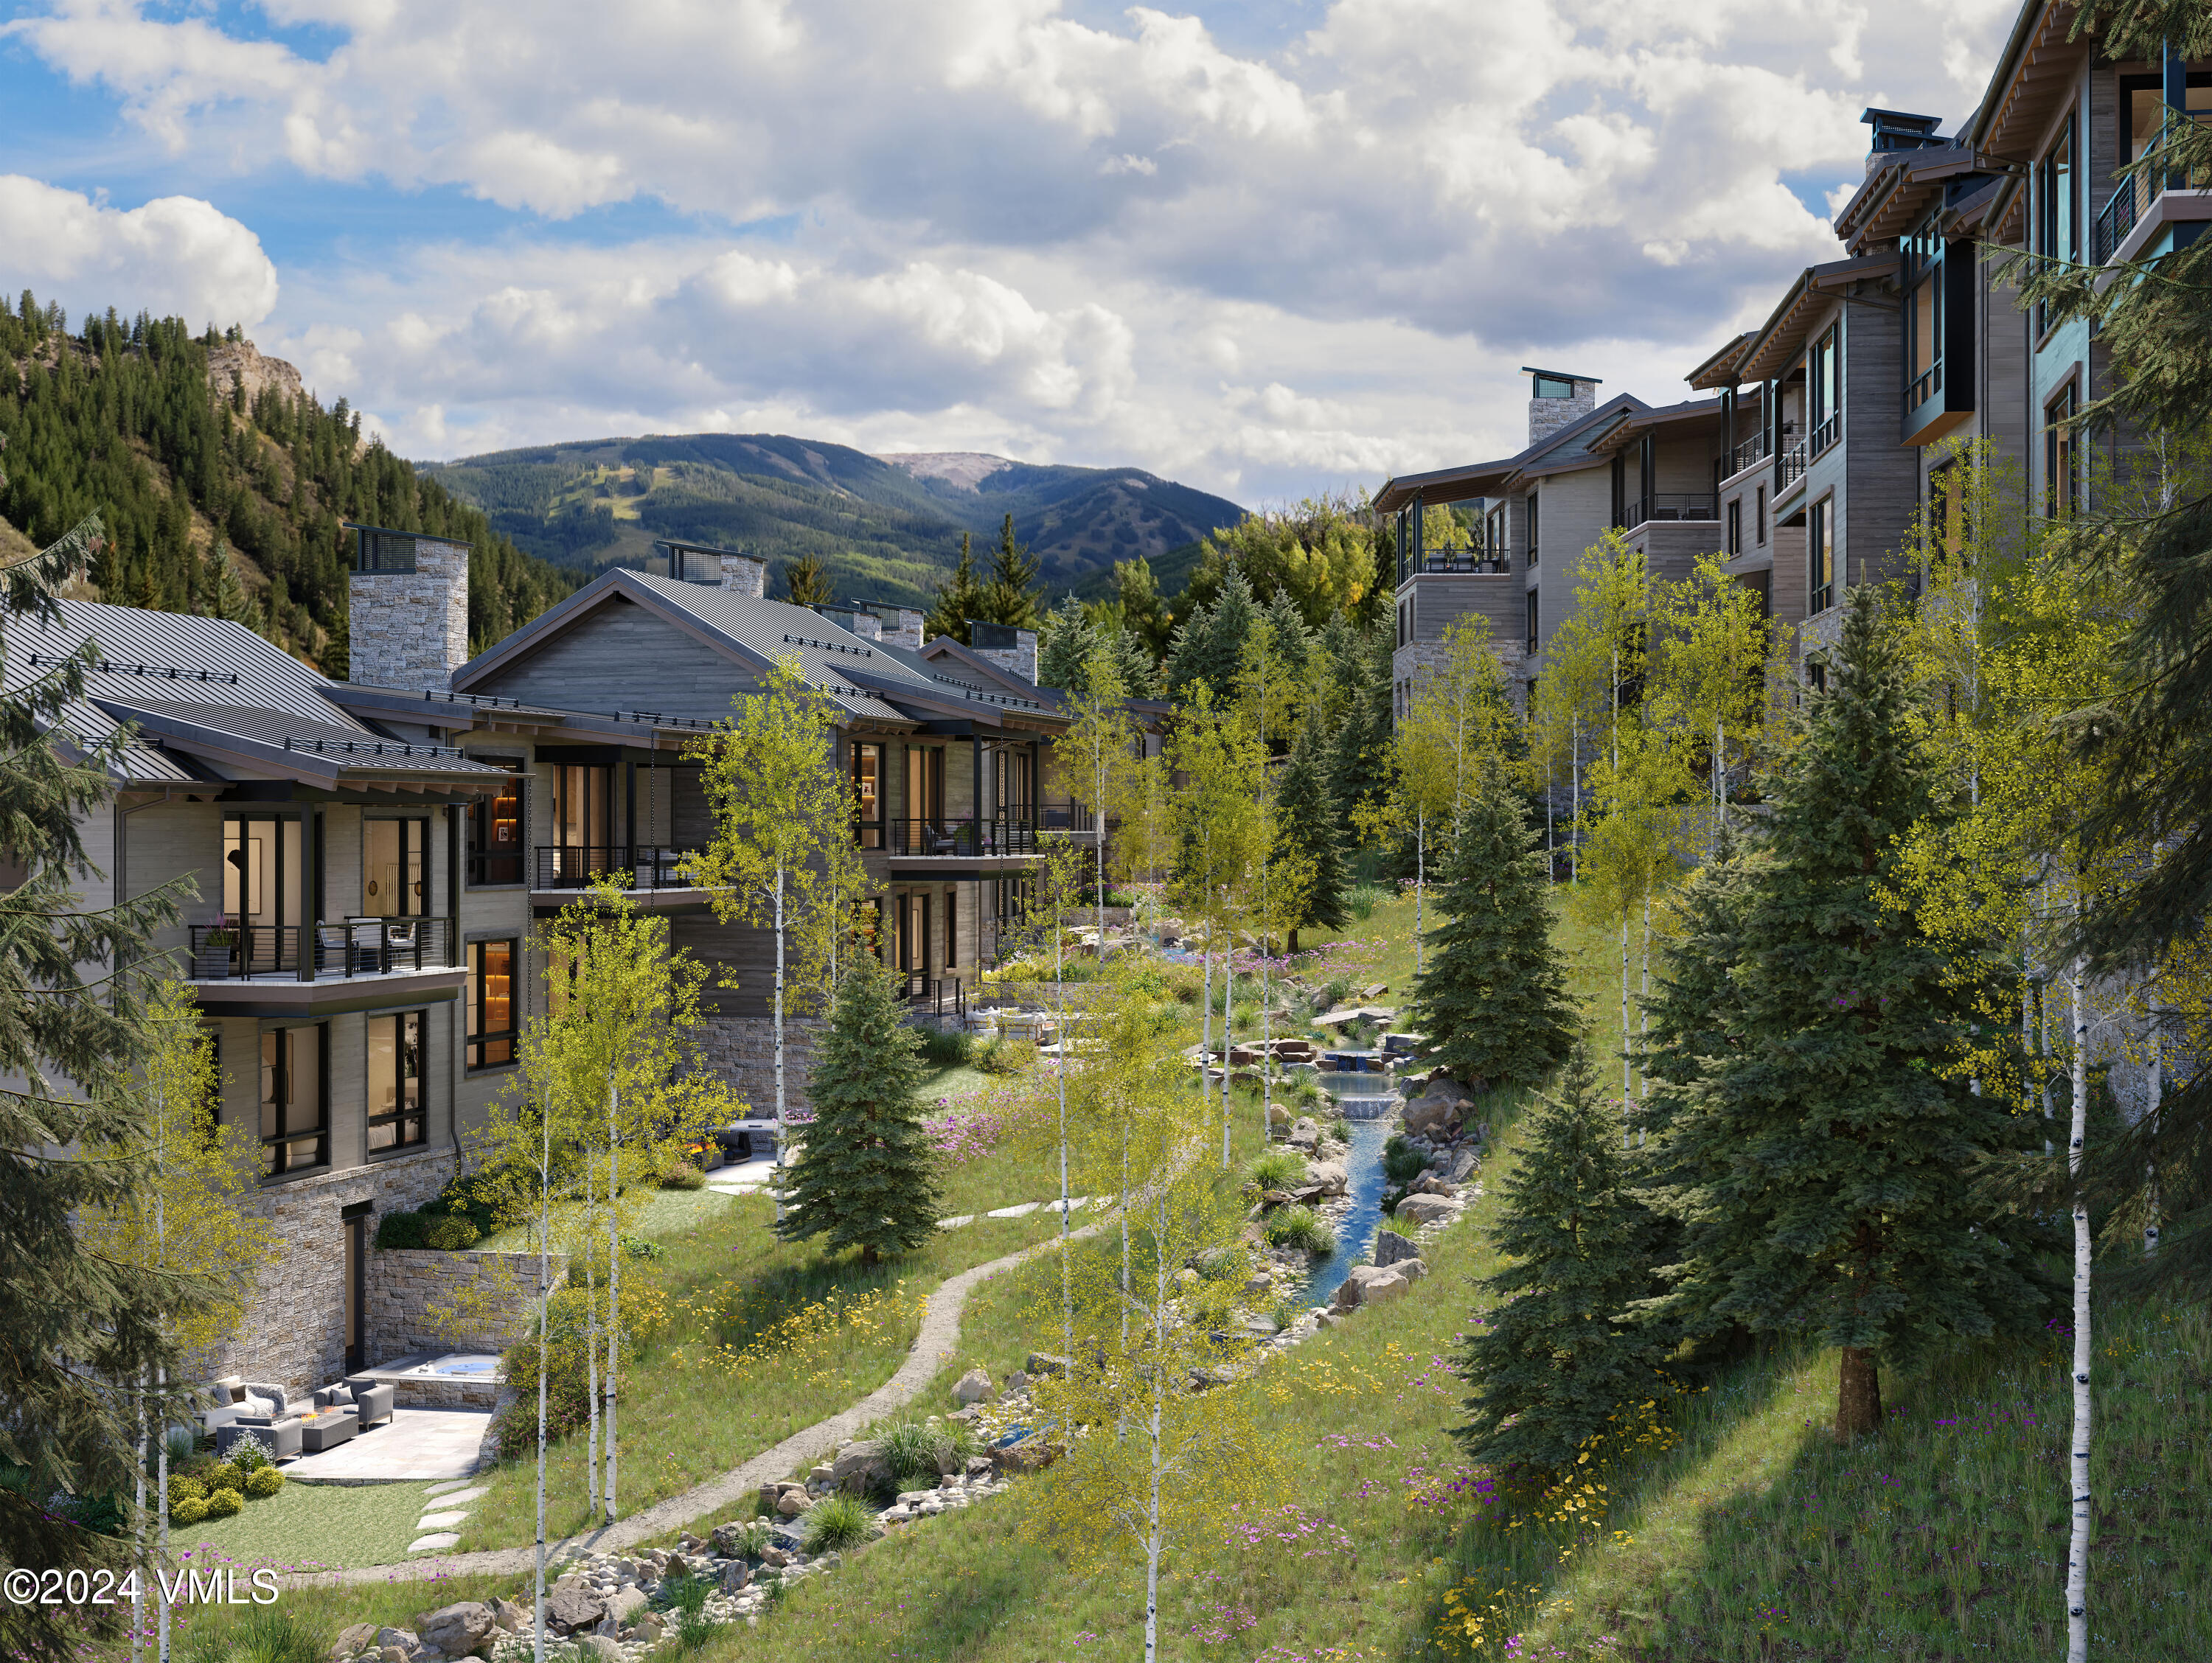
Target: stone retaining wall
x=422, y=1300
x=742, y=1050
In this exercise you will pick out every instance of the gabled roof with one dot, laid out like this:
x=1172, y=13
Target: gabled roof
x=1717, y=371
x=2028, y=83
x=1635, y=424
x=1779, y=339
x=1895, y=196
x=210, y=700
x=942, y=652
x=1554, y=452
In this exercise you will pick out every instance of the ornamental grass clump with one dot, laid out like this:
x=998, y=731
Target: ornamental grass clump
x=836, y=1523
x=1276, y=1168
x=1301, y=1228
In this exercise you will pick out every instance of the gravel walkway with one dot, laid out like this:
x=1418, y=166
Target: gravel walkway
x=933, y=1346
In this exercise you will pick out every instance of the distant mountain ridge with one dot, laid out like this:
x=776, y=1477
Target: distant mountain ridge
x=886, y=527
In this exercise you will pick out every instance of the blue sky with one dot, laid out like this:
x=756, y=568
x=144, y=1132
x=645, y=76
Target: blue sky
x=1262, y=248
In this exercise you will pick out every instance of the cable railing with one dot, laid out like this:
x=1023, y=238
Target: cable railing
x=953, y=836
x=1463, y=560
x=1790, y=467
x=1754, y=450
x=643, y=865
x=1672, y=505
x=338, y=949
x=2132, y=197
x=1827, y=433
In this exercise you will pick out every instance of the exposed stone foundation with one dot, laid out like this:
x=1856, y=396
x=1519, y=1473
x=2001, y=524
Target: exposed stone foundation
x=742, y=1050
x=422, y=1300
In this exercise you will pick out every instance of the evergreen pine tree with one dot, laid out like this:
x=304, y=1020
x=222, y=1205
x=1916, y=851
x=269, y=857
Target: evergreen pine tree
x=82, y=1328
x=807, y=580
x=1209, y=645
x=1310, y=823
x=1065, y=645
x=1492, y=993
x=1821, y=1162
x=959, y=598
x=1009, y=597
x=1560, y=1354
x=866, y=1178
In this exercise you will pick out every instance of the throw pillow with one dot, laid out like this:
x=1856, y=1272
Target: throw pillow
x=339, y=1396
x=253, y=1405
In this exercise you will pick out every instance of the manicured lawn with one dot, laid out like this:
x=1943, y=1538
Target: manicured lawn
x=307, y=1526
x=661, y=1213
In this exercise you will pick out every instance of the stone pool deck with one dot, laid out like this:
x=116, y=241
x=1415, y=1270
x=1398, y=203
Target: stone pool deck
x=420, y=1445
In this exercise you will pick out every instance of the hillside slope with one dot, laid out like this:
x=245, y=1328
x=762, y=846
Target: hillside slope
x=886, y=527
x=221, y=484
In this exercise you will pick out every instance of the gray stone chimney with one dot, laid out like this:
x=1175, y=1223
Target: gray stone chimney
x=900, y=625
x=745, y=574
x=1010, y=649
x=854, y=620
x=1556, y=398
x=408, y=600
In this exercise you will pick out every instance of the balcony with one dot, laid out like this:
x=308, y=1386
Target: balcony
x=1827, y=433
x=1672, y=506
x=2132, y=197
x=1463, y=560
x=1754, y=451
x=352, y=962
x=1008, y=834
x=1790, y=467
x=647, y=867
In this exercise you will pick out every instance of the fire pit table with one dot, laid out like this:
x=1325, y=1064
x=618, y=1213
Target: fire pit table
x=326, y=1429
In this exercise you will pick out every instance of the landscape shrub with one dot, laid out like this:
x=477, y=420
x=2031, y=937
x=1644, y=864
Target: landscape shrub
x=267, y=1634
x=450, y=1233
x=263, y=1482
x=998, y=1055
x=836, y=1523
x=1301, y=1228
x=1365, y=899
x=251, y=1453
x=184, y=1484
x=644, y=1247
x=946, y=1047
x=911, y=1449
x=188, y=1509
x=184, y=1445
x=223, y=1504
x=1402, y=1162
x=401, y=1229
x=224, y=1475
x=681, y=1174
x=1276, y=1168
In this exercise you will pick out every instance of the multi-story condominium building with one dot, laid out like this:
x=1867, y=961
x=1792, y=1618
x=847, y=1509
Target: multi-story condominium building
x=362, y=862
x=1651, y=472
x=1828, y=432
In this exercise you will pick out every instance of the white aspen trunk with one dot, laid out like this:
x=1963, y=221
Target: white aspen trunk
x=1720, y=767
x=1205, y=1051
x=591, y=1373
x=2078, y=1544
x=1644, y=1079
x=1575, y=807
x=545, y=1322
x=1626, y=1096
x=1551, y=846
x=1098, y=810
x=1420, y=879
x=2150, y=1170
x=614, y=1280
x=2043, y=1047
x=1125, y=1235
x=1152, y=1534
x=138, y=1529
x=1066, y=1273
x=782, y=1135
x=162, y=1506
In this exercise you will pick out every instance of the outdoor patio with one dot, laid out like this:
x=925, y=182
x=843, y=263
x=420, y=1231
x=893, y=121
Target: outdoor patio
x=420, y=1445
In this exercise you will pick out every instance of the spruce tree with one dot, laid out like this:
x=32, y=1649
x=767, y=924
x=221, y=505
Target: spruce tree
x=1065, y=645
x=1309, y=823
x=1209, y=645
x=1491, y=996
x=1559, y=1353
x=867, y=1178
x=82, y=1328
x=1821, y=1161
x=959, y=598
x=807, y=580
x=1010, y=597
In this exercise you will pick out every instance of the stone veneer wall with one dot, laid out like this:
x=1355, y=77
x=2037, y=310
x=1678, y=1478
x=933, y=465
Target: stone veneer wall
x=1547, y=415
x=742, y=1050
x=410, y=629
x=294, y=1328
x=422, y=1300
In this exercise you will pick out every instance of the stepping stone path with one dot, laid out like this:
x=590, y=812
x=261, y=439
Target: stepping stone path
x=447, y=1502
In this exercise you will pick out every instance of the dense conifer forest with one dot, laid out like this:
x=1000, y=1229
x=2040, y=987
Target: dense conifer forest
x=221, y=485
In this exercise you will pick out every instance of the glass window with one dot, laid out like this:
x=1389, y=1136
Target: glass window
x=1821, y=555
x=1531, y=604
x=1735, y=525
x=395, y=1120
x=491, y=1002
x=1760, y=516
x=1824, y=386
x=1554, y=386
x=2055, y=209
x=393, y=867
x=495, y=829
x=1531, y=501
x=868, y=794
x=295, y=1133
x=2061, y=464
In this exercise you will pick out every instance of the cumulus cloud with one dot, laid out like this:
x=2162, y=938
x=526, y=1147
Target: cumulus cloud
x=174, y=254
x=1110, y=235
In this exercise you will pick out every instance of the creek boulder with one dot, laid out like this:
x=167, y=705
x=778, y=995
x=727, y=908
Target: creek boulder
x=861, y=1466
x=459, y=1628
x=1392, y=1248
x=974, y=1387
x=1419, y=1210
x=1369, y=1284
x=1329, y=1175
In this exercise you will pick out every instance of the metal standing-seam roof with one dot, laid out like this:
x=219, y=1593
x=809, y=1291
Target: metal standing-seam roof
x=202, y=683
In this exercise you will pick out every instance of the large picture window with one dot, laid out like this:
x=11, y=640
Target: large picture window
x=868, y=794
x=1824, y=388
x=295, y=1119
x=2057, y=236
x=2060, y=462
x=1530, y=597
x=489, y=996
x=1924, y=315
x=395, y=867
x=1531, y=501
x=1821, y=555
x=396, y=1116
x=495, y=829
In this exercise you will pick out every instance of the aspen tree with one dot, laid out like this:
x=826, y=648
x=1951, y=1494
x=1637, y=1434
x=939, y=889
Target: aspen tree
x=784, y=854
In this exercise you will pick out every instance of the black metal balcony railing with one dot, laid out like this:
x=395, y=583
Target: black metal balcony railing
x=1463, y=559
x=1790, y=467
x=646, y=865
x=2132, y=197
x=964, y=836
x=1753, y=450
x=940, y=996
x=1673, y=505
x=340, y=949
x=1827, y=433
x=487, y=866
